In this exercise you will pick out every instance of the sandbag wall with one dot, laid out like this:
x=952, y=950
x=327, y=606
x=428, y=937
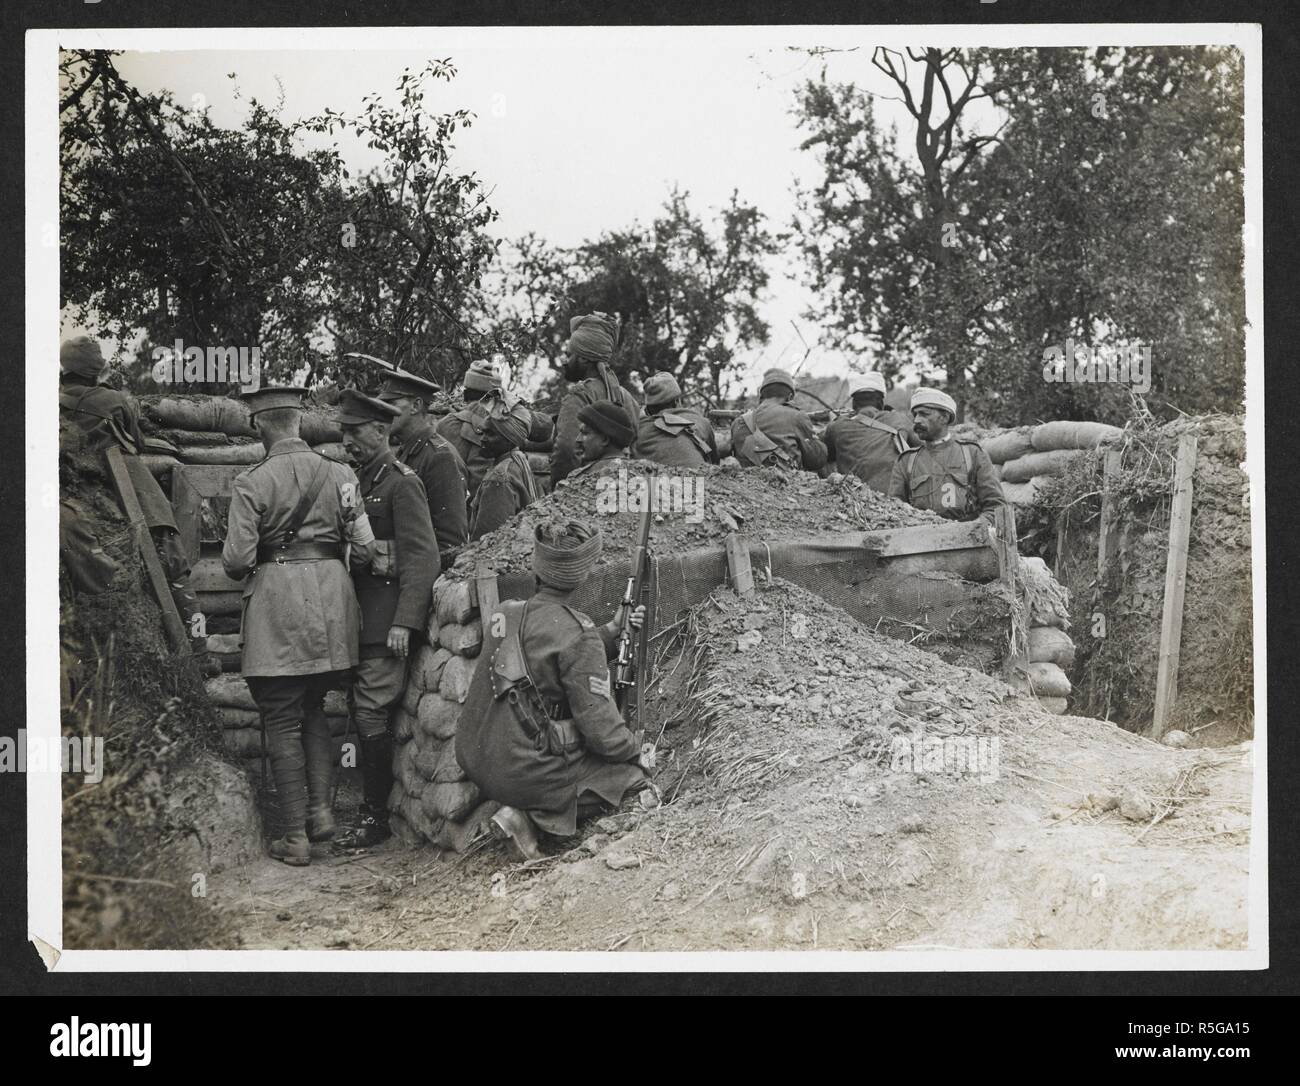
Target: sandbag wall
x=1029, y=457
x=241, y=729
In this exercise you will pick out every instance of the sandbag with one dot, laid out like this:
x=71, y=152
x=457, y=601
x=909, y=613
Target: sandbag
x=1009, y=446
x=448, y=768
x=453, y=601
x=221, y=603
x=411, y=695
x=242, y=742
x=223, y=643
x=426, y=668
x=449, y=801
x=426, y=762
x=1024, y=468
x=438, y=717
x=1048, y=645
x=1062, y=434
x=238, y=718
x=1028, y=493
x=462, y=639
x=194, y=437
x=405, y=769
x=454, y=684
x=230, y=417
x=1048, y=680
x=249, y=453
x=1054, y=705
x=230, y=691
x=405, y=723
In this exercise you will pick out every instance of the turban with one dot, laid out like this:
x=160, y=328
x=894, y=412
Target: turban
x=932, y=397
x=776, y=377
x=563, y=554
x=611, y=420
x=511, y=421
x=592, y=337
x=482, y=376
x=661, y=388
x=867, y=382
x=82, y=356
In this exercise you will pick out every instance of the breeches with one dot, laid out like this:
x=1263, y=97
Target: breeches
x=376, y=687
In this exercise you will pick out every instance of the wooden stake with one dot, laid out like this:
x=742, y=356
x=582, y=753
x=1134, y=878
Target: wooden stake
x=1171, y=623
x=742, y=574
x=172, y=623
x=489, y=599
x=1106, y=532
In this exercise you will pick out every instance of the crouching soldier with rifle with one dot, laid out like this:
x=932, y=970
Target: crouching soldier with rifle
x=540, y=731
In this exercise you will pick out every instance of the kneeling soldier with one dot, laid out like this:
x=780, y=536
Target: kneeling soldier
x=394, y=591
x=540, y=731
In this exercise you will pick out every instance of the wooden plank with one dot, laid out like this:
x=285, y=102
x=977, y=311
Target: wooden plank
x=1004, y=527
x=1106, y=533
x=489, y=597
x=186, y=505
x=210, y=480
x=742, y=573
x=927, y=538
x=1171, y=622
x=208, y=575
x=172, y=624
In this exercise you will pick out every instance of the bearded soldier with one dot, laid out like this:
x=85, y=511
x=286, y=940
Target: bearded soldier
x=540, y=731
x=947, y=475
x=395, y=590
x=432, y=458
x=776, y=433
x=591, y=381
x=670, y=433
x=292, y=517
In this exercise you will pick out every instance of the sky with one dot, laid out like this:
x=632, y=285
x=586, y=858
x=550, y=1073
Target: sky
x=575, y=140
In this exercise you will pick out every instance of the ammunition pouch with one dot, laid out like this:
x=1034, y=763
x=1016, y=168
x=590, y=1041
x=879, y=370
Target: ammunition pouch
x=548, y=727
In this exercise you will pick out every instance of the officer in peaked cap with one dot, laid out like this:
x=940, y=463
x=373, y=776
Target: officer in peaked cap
x=394, y=590
x=431, y=457
x=294, y=516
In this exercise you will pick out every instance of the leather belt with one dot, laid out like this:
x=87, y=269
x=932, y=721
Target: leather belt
x=299, y=552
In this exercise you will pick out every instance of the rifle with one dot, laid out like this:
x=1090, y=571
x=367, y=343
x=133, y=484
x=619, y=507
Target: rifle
x=629, y=675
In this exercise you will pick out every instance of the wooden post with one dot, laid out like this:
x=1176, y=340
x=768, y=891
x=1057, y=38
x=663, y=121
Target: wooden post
x=489, y=599
x=1171, y=623
x=172, y=623
x=742, y=574
x=1106, y=530
x=1004, y=524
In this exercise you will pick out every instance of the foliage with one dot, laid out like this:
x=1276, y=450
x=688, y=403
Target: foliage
x=686, y=293
x=1102, y=203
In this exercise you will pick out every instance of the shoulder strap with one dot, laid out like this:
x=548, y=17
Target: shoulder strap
x=305, y=502
x=875, y=424
x=509, y=665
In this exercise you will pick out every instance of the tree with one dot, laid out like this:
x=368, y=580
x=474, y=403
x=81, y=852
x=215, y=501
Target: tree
x=1101, y=204
x=686, y=293
x=179, y=229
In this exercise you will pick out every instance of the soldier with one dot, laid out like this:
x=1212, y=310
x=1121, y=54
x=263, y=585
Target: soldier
x=775, y=433
x=949, y=476
x=394, y=589
x=670, y=433
x=587, y=353
x=869, y=441
x=509, y=484
x=540, y=731
x=293, y=516
x=432, y=458
x=98, y=416
x=605, y=431
x=484, y=382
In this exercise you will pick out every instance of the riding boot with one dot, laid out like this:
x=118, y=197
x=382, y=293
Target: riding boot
x=289, y=768
x=318, y=746
x=377, y=782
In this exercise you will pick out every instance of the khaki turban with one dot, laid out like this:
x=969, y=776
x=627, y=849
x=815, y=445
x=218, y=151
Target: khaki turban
x=592, y=337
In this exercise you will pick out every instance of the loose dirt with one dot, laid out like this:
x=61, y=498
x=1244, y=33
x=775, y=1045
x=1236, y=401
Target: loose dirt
x=822, y=788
